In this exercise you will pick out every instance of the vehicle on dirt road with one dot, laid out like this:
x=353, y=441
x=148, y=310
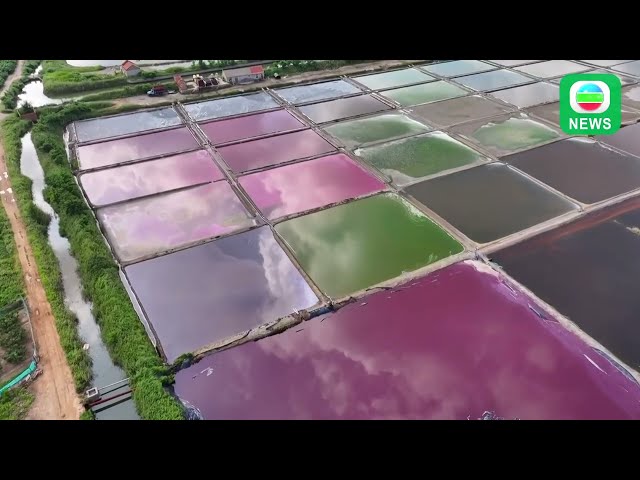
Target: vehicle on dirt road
x=158, y=91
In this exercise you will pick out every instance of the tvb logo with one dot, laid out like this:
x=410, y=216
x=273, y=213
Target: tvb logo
x=590, y=104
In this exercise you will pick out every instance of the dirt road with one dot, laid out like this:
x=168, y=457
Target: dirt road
x=268, y=83
x=56, y=398
x=14, y=76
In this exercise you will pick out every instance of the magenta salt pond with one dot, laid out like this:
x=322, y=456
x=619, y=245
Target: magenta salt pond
x=264, y=152
x=207, y=293
x=153, y=225
x=134, y=148
x=452, y=345
x=307, y=185
x=222, y=131
x=145, y=178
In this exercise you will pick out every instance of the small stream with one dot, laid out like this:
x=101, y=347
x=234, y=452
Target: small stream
x=105, y=371
x=33, y=92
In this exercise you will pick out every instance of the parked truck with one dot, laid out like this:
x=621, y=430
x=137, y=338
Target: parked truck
x=157, y=91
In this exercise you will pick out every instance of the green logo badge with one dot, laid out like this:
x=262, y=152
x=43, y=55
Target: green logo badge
x=590, y=104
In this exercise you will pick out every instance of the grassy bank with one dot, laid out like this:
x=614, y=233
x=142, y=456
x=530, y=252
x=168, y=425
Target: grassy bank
x=291, y=67
x=122, y=331
x=59, y=78
x=10, y=97
x=36, y=223
x=11, y=282
x=196, y=66
x=7, y=67
x=12, y=335
x=12, y=338
x=128, y=91
x=15, y=404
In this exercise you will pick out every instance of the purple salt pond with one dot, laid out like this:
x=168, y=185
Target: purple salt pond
x=146, y=178
x=264, y=152
x=152, y=225
x=134, y=148
x=452, y=345
x=307, y=185
x=210, y=292
x=223, y=131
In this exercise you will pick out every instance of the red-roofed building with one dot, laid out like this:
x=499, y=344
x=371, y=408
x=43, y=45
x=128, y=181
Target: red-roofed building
x=243, y=74
x=130, y=69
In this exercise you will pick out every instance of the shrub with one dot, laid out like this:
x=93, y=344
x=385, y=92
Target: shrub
x=15, y=404
x=12, y=338
x=11, y=286
x=7, y=67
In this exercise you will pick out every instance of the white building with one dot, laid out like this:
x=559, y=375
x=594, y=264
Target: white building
x=243, y=74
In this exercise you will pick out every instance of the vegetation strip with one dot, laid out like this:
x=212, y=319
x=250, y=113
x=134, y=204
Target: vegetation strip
x=58, y=77
x=10, y=97
x=121, y=328
x=12, y=335
x=12, y=338
x=15, y=404
x=11, y=281
x=7, y=67
x=36, y=223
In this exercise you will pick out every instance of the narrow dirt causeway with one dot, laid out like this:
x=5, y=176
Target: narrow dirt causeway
x=56, y=398
x=14, y=76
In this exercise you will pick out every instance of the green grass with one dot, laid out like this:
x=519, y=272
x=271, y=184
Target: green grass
x=15, y=404
x=128, y=91
x=290, y=67
x=11, y=283
x=10, y=97
x=12, y=338
x=36, y=223
x=121, y=329
x=87, y=415
x=12, y=335
x=60, y=78
x=7, y=67
x=196, y=65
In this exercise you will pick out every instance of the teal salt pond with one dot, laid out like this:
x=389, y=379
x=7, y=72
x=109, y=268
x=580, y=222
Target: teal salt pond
x=415, y=157
x=509, y=133
x=354, y=246
x=375, y=129
x=395, y=78
x=458, y=67
x=424, y=93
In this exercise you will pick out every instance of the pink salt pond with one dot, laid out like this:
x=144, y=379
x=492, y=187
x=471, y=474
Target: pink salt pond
x=308, y=185
x=452, y=345
x=222, y=131
x=126, y=182
x=265, y=152
x=135, y=148
x=153, y=225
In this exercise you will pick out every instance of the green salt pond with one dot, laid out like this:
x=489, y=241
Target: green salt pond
x=415, y=157
x=374, y=129
x=353, y=246
x=508, y=134
x=395, y=78
x=425, y=93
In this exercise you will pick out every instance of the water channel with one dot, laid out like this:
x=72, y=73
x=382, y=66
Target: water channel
x=105, y=372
